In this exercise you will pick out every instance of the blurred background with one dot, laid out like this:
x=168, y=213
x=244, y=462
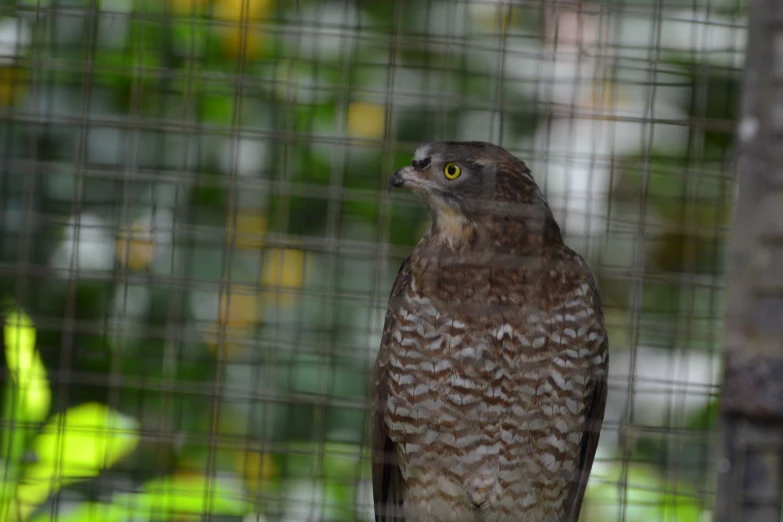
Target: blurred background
x=196, y=248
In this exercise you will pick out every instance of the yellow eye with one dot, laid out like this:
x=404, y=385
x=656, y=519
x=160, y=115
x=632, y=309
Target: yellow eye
x=452, y=171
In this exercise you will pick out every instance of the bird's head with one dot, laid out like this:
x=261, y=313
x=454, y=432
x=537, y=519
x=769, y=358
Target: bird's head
x=475, y=185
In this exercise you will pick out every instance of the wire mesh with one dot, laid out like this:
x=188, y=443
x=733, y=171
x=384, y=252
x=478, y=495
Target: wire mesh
x=193, y=220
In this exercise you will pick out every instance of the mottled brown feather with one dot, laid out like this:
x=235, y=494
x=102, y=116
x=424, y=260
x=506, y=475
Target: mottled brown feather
x=595, y=417
x=386, y=477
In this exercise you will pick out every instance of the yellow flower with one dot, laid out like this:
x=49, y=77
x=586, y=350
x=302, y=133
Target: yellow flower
x=247, y=231
x=233, y=343
x=13, y=85
x=238, y=307
x=240, y=32
x=242, y=10
x=135, y=247
x=366, y=120
x=495, y=18
x=257, y=468
x=284, y=269
x=238, y=313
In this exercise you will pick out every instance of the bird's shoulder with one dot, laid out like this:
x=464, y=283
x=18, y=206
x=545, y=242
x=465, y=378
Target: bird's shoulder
x=402, y=281
x=399, y=289
x=558, y=314
x=567, y=281
x=575, y=302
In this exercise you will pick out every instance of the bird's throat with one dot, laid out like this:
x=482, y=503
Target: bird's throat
x=452, y=229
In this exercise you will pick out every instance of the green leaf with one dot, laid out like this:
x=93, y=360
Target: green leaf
x=164, y=499
x=706, y=418
x=333, y=461
x=641, y=496
x=93, y=512
x=73, y=446
x=190, y=38
x=193, y=494
x=27, y=371
x=87, y=438
x=26, y=401
x=217, y=108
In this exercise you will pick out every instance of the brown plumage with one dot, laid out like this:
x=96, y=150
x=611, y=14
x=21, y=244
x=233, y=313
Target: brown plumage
x=490, y=382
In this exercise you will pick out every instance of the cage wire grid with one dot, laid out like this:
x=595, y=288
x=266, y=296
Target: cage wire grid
x=193, y=217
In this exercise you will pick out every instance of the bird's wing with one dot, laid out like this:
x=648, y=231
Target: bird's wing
x=386, y=475
x=592, y=430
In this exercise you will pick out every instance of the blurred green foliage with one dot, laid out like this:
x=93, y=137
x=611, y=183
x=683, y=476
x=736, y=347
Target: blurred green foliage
x=80, y=444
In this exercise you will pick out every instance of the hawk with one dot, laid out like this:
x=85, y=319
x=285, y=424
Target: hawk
x=490, y=383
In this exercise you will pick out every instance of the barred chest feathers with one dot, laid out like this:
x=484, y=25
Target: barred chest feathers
x=491, y=414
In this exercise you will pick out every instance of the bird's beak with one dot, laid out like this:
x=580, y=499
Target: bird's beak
x=405, y=177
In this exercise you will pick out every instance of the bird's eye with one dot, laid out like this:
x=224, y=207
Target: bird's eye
x=452, y=171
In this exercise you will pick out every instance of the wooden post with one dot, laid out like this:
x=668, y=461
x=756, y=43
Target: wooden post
x=751, y=466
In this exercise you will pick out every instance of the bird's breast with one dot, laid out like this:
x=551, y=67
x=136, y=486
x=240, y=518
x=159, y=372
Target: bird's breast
x=493, y=406
x=457, y=388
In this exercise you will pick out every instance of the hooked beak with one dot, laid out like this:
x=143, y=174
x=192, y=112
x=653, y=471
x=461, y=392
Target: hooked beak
x=404, y=177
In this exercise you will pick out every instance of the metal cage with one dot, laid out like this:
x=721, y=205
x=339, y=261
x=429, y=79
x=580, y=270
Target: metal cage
x=196, y=248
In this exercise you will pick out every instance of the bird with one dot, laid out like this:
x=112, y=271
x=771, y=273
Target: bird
x=489, y=388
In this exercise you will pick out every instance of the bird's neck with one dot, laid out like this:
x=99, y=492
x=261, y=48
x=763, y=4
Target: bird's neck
x=456, y=233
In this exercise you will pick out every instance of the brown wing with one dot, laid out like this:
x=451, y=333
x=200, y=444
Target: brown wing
x=386, y=475
x=592, y=430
